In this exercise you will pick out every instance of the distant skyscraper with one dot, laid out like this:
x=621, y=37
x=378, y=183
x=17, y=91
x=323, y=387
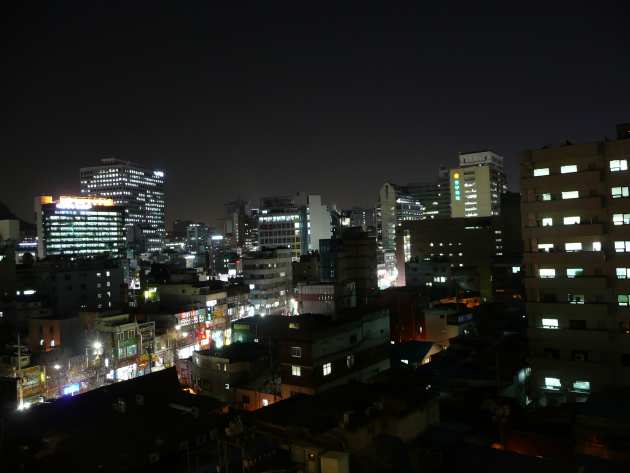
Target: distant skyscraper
x=139, y=191
x=197, y=235
x=434, y=196
x=477, y=185
x=79, y=226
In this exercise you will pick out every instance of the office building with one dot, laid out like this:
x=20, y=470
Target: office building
x=318, y=223
x=139, y=191
x=477, y=184
x=576, y=231
x=434, y=196
x=268, y=274
x=197, y=235
x=79, y=226
x=281, y=224
x=463, y=253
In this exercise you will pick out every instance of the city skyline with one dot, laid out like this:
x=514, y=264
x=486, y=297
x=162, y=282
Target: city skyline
x=216, y=95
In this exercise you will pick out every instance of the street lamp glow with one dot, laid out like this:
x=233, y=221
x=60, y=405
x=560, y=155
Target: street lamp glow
x=97, y=345
x=57, y=366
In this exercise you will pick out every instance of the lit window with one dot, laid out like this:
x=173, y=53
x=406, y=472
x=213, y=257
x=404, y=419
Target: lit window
x=617, y=165
x=622, y=300
x=619, y=192
x=582, y=386
x=296, y=370
x=550, y=323
x=350, y=360
x=546, y=247
x=52, y=343
x=621, y=219
x=327, y=369
x=296, y=352
x=597, y=246
x=547, y=273
x=571, y=220
x=622, y=246
x=568, y=169
x=547, y=222
x=622, y=273
x=576, y=298
x=571, y=194
x=576, y=246
x=516, y=269
x=294, y=325
x=553, y=384
x=546, y=196
x=265, y=402
x=575, y=272
x=541, y=172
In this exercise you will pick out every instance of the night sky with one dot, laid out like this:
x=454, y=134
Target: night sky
x=276, y=97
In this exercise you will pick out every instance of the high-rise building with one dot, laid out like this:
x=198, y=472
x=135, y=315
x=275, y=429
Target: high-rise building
x=434, y=196
x=476, y=186
x=268, y=274
x=395, y=206
x=197, y=235
x=359, y=217
x=79, y=226
x=139, y=191
x=576, y=232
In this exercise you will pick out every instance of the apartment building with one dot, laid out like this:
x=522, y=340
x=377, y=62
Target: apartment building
x=576, y=233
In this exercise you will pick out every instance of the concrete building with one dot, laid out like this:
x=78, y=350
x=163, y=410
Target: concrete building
x=197, y=235
x=350, y=259
x=359, y=217
x=476, y=186
x=576, y=231
x=268, y=274
x=438, y=252
x=395, y=206
x=434, y=196
x=281, y=224
x=79, y=226
x=139, y=191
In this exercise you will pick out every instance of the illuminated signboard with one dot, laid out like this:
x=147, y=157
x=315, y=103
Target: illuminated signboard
x=83, y=203
x=191, y=317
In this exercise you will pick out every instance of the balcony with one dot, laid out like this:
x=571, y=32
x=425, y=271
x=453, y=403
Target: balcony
x=578, y=180
x=564, y=258
x=587, y=203
x=564, y=231
x=579, y=283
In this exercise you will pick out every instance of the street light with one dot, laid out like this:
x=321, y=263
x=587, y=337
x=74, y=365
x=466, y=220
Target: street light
x=97, y=345
x=57, y=367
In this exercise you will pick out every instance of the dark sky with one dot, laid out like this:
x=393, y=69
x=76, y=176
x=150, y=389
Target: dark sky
x=274, y=97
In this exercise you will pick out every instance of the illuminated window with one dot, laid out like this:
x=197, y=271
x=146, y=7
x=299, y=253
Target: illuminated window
x=621, y=219
x=546, y=196
x=574, y=246
x=622, y=273
x=546, y=247
x=547, y=222
x=294, y=325
x=617, y=165
x=547, y=273
x=619, y=192
x=571, y=195
x=296, y=370
x=350, y=361
x=571, y=220
x=296, y=352
x=541, y=172
x=622, y=300
x=582, y=386
x=550, y=324
x=597, y=246
x=622, y=246
x=568, y=169
x=265, y=402
x=327, y=369
x=553, y=384
x=516, y=269
x=575, y=272
x=576, y=298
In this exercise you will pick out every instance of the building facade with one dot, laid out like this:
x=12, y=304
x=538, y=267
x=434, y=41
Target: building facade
x=477, y=185
x=268, y=274
x=79, y=226
x=435, y=196
x=139, y=191
x=576, y=229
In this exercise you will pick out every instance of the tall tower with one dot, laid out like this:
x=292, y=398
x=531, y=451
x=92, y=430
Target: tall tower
x=139, y=191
